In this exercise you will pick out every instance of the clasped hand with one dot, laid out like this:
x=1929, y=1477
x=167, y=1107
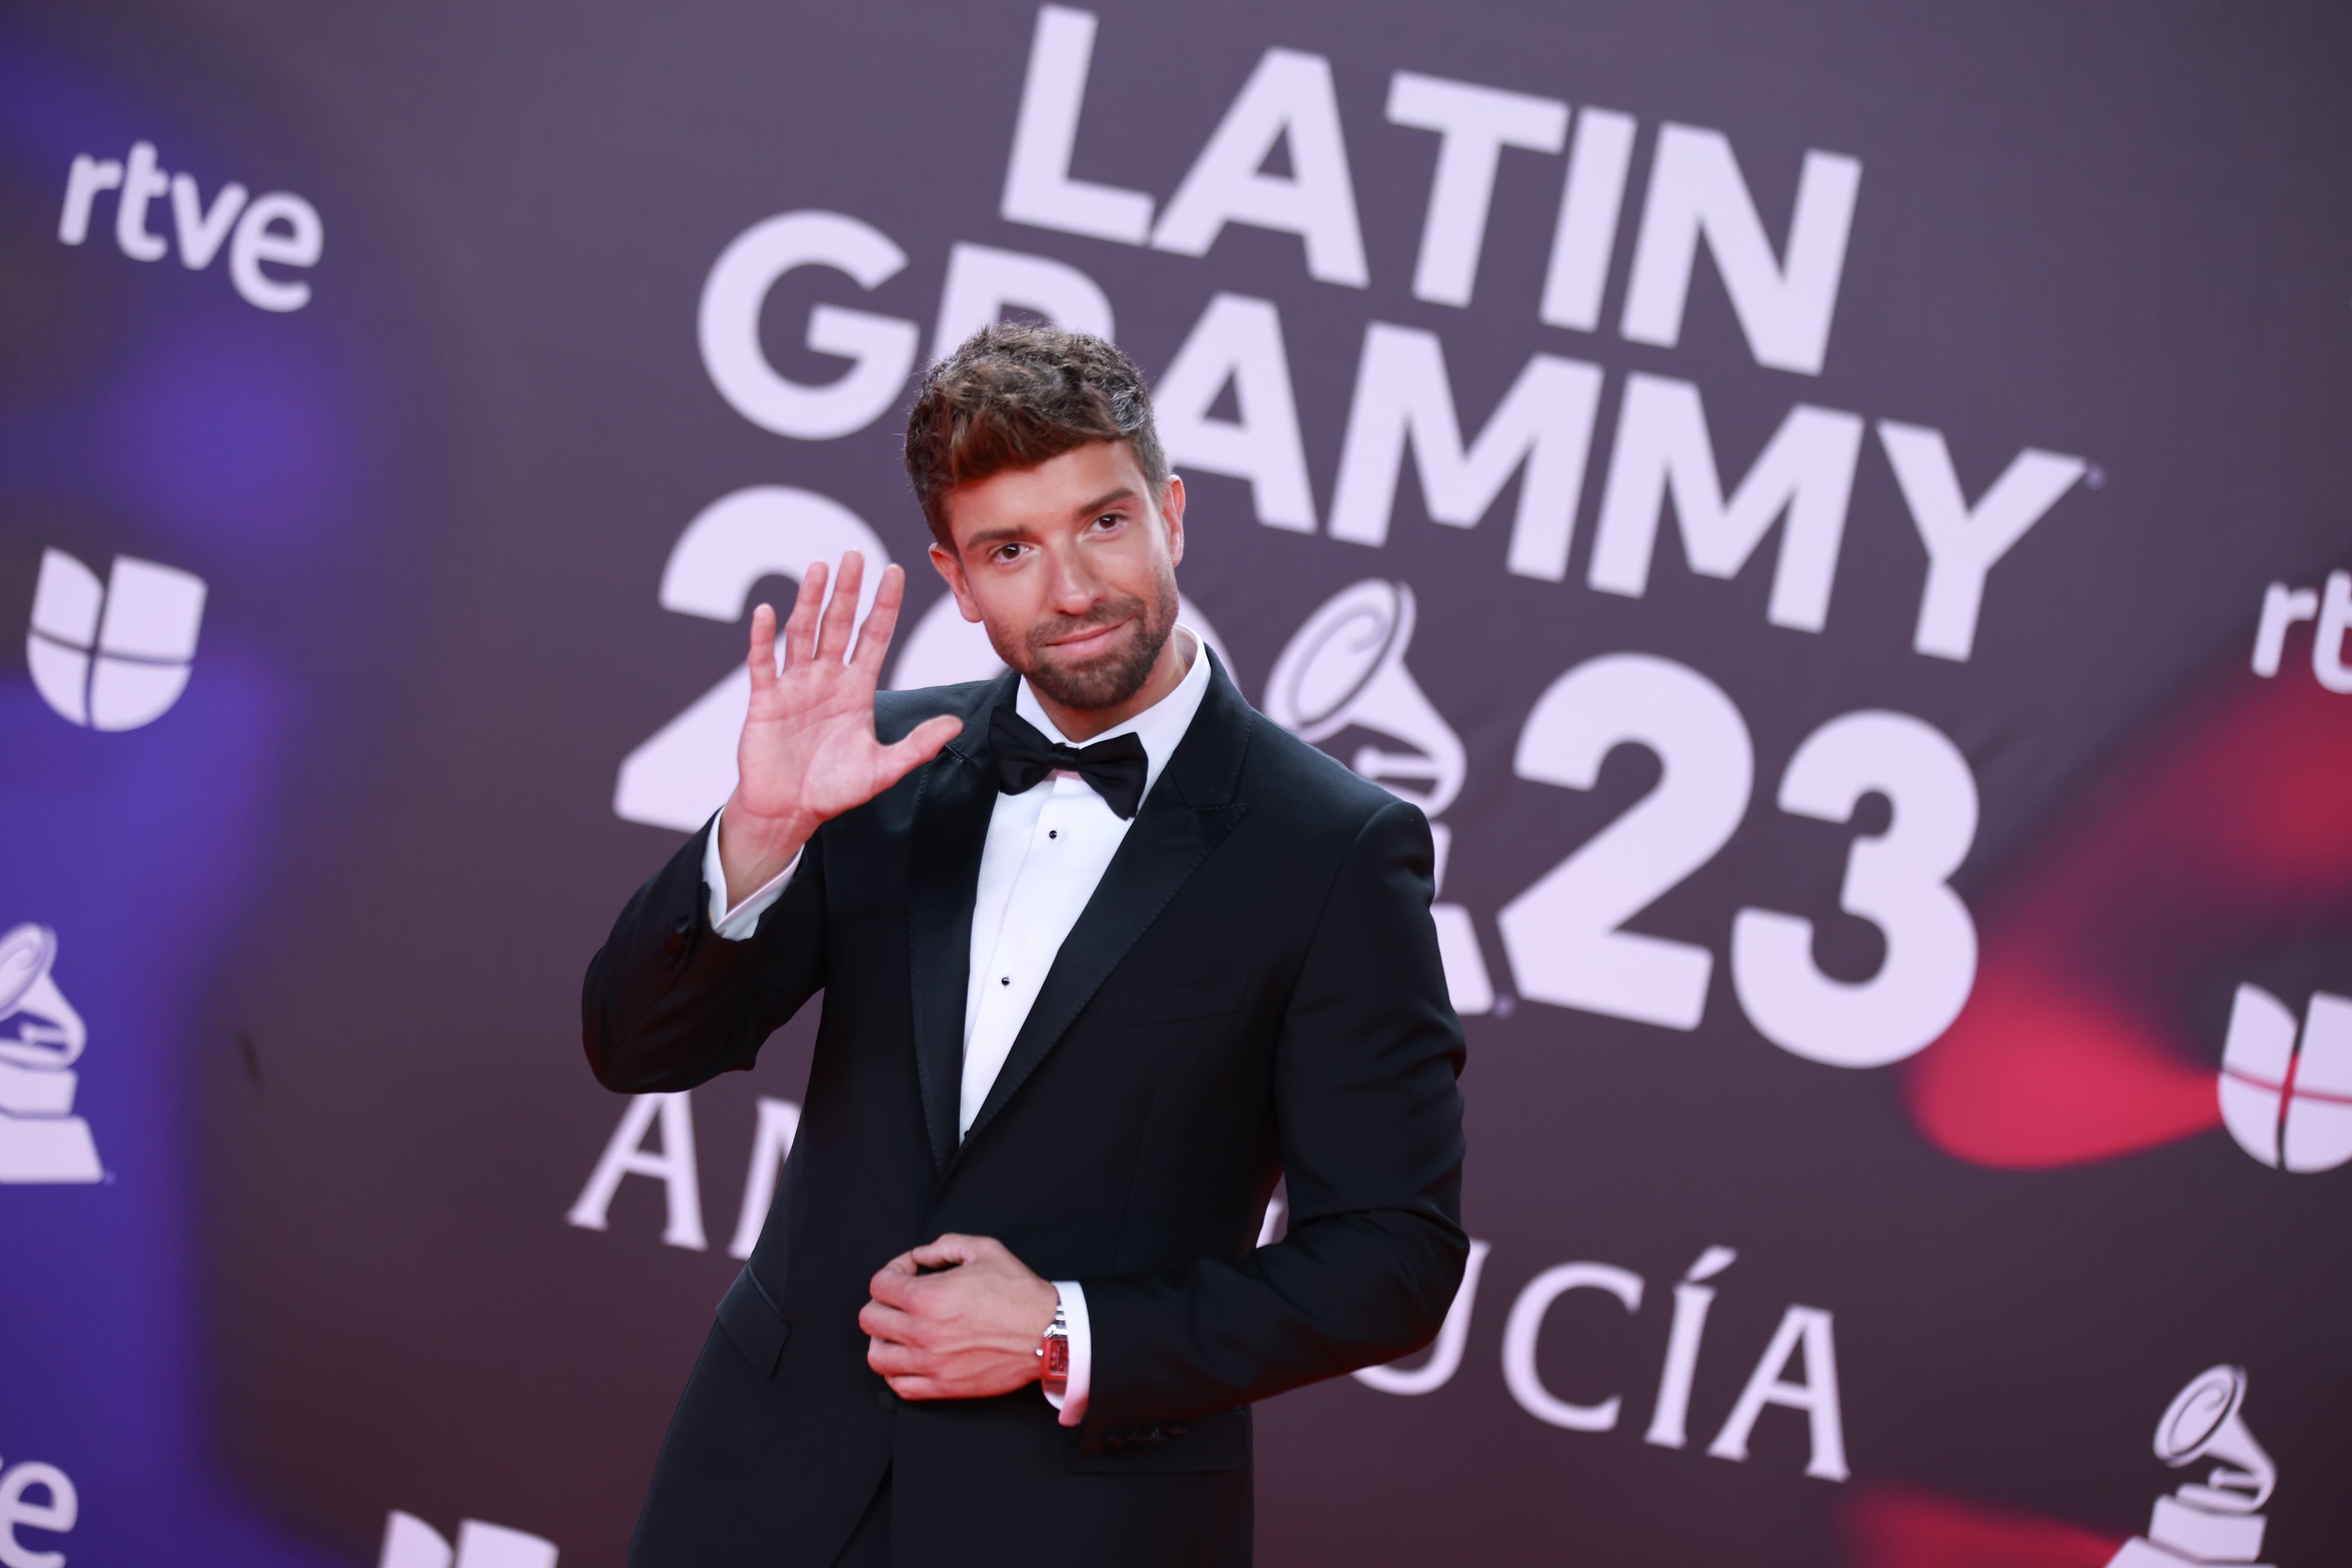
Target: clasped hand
x=969, y=1330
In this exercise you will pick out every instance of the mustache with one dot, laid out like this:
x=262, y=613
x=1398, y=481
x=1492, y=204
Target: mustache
x=1108, y=613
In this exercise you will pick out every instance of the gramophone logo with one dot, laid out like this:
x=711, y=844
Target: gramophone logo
x=1344, y=670
x=2215, y=1520
x=2288, y=1102
x=41, y=1037
x=112, y=656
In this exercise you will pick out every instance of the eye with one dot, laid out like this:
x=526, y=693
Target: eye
x=1006, y=554
x=1108, y=521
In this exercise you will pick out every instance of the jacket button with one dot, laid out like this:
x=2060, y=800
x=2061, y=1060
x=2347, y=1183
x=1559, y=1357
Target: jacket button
x=673, y=947
x=885, y=1399
x=685, y=924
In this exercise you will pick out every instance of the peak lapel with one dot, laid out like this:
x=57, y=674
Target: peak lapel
x=1188, y=814
x=953, y=800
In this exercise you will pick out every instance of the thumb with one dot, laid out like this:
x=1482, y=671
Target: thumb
x=922, y=745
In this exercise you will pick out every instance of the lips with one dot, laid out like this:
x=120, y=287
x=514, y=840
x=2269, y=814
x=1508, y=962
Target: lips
x=1088, y=642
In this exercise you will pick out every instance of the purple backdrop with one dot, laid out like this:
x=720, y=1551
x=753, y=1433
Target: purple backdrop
x=1834, y=512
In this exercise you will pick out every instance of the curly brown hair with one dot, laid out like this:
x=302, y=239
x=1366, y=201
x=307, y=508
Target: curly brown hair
x=1017, y=395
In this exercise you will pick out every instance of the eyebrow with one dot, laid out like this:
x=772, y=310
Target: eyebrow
x=991, y=538
x=1102, y=502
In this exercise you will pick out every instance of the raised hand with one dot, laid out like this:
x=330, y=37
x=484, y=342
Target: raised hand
x=809, y=752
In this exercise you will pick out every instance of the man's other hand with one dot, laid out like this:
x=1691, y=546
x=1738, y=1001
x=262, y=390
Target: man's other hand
x=965, y=1332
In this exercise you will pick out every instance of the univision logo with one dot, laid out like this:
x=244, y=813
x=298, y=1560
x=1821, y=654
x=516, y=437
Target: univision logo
x=112, y=655
x=2288, y=1102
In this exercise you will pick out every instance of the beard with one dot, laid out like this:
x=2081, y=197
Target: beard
x=1111, y=677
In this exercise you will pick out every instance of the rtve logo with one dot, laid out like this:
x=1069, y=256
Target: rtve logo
x=2288, y=1102
x=115, y=656
x=278, y=227
x=2330, y=608
x=53, y=1514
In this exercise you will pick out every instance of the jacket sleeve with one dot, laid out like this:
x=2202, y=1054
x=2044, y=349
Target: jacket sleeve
x=669, y=1003
x=1370, y=1127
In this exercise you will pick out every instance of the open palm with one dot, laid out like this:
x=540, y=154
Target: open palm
x=809, y=752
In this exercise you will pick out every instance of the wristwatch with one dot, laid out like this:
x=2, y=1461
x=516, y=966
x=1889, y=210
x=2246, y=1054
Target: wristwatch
x=1054, y=1348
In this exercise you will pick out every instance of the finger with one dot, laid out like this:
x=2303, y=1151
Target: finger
x=902, y=1264
x=881, y=621
x=762, y=658
x=894, y=1360
x=947, y=1251
x=832, y=640
x=891, y=1360
x=800, y=632
x=883, y=1321
x=894, y=1289
x=918, y=1388
x=919, y=746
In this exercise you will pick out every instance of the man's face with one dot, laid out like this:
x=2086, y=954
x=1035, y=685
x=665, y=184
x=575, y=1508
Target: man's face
x=1071, y=565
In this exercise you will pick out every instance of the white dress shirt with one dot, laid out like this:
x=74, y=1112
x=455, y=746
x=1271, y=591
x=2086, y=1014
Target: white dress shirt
x=1047, y=849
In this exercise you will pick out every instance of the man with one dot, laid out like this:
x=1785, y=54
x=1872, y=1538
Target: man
x=1104, y=953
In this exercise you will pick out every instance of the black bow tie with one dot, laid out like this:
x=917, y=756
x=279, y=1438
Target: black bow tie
x=1115, y=768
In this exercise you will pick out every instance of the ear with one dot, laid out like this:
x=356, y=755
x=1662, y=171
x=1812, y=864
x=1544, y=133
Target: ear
x=951, y=570
x=1171, y=513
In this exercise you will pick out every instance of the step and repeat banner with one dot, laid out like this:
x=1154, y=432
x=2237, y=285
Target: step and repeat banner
x=1836, y=514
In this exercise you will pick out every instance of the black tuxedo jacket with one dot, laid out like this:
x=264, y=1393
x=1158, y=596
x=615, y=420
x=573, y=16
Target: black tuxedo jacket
x=1253, y=989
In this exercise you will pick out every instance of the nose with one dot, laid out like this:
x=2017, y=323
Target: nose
x=1072, y=582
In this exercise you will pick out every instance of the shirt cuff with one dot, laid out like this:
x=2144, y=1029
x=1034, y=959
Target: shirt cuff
x=1073, y=1400
x=738, y=923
